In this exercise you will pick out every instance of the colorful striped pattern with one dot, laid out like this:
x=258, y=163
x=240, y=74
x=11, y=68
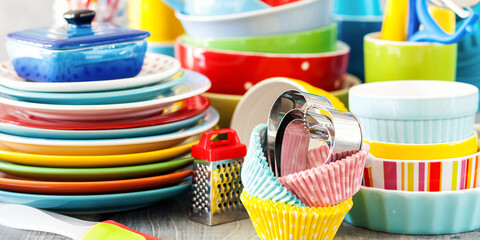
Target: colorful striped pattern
x=423, y=176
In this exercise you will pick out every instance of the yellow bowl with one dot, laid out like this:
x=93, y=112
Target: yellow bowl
x=398, y=151
x=275, y=220
x=226, y=104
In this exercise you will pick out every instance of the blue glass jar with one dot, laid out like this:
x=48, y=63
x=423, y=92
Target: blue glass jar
x=79, y=51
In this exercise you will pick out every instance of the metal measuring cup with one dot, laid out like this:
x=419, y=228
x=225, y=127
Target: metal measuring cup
x=340, y=131
x=288, y=100
x=295, y=137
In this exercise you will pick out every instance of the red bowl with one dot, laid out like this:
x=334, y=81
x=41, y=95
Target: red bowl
x=234, y=72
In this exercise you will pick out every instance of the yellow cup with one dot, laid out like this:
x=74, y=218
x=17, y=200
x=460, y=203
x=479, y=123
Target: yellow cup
x=157, y=18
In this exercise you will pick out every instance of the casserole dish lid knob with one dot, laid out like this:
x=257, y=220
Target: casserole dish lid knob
x=79, y=17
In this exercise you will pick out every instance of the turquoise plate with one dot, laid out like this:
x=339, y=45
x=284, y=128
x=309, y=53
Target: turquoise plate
x=100, y=203
x=92, y=98
x=32, y=132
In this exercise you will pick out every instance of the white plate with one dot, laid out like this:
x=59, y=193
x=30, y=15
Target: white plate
x=193, y=85
x=106, y=146
x=156, y=67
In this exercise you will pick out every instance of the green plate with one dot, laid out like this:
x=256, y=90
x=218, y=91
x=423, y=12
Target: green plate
x=313, y=41
x=93, y=174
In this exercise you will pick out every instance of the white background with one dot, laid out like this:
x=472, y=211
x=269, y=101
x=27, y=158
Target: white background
x=16, y=15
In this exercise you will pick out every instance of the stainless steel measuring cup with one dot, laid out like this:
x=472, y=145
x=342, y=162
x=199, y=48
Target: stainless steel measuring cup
x=288, y=100
x=339, y=131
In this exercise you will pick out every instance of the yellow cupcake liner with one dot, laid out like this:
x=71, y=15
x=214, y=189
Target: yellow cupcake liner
x=281, y=221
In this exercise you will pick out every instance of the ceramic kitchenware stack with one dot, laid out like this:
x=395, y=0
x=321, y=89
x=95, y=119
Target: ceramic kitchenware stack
x=293, y=186
x=90, y=123
x=238, y=45
x=422, y=173
x=355, y=19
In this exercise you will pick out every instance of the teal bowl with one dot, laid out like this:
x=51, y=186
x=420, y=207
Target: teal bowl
x=416, y=212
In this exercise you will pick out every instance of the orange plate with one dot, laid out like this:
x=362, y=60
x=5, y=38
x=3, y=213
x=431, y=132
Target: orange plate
x=11, y=183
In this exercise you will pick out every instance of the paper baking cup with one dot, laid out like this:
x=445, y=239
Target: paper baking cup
x=416, y=212
x=273, y=220
x=257, y=176
x=295, y=145
x=329, y=184
x=423, y=176
x=400, y=151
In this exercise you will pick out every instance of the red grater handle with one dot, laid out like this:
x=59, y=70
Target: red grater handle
x=219, y=150
x=232, y=138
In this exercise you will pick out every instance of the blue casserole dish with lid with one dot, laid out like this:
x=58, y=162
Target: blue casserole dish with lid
x=79, y=51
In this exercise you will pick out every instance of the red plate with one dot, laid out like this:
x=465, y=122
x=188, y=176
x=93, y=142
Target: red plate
x=11, y=183
x=192, y=107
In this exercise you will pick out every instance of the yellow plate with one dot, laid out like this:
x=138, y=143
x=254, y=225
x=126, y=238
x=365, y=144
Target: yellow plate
x=424, y=151
x=99, y=161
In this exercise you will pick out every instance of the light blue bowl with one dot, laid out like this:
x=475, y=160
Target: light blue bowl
x=416, y=212
x=294, y=17
x=31, y=132
x=215, y=7
x=92, y=98
x=415, y=112
x=257, y=176
x=358, y=7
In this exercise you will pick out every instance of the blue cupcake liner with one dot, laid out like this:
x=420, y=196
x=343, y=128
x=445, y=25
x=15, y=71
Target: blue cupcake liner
x=258, y=178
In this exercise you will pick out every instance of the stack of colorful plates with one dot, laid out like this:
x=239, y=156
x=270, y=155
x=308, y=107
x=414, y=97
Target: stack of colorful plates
x=101, y=146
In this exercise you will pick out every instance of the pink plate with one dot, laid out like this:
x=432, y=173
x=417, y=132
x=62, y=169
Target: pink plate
x=191, y=107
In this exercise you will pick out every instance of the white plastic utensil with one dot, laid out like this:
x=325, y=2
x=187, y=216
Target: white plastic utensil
x=29, y=218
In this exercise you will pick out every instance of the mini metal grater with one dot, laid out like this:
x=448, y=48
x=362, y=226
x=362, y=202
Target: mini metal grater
x=216, y=179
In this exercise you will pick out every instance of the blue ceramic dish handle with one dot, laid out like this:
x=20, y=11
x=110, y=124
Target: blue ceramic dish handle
x=431, y=32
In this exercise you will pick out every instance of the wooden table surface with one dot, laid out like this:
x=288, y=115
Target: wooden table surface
x=169, y=220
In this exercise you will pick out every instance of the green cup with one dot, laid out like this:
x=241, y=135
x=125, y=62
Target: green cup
x=392, y=60
x=313, y=41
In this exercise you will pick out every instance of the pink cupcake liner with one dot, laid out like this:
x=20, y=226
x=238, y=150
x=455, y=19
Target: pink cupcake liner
x=317, y=157
x=329, y=184
x=294, y=149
